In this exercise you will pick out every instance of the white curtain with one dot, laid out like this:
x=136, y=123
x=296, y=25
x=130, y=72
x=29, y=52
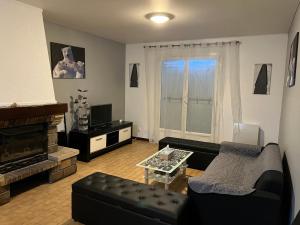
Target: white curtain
x=165, y=104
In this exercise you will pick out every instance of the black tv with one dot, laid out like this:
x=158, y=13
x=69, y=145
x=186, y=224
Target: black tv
x=100, y=115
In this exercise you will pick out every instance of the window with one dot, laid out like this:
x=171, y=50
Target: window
x=187, y=88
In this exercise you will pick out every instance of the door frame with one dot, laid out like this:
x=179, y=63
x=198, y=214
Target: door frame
x=183, y=133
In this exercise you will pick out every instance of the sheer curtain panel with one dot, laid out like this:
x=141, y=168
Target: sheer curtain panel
x=186, y=87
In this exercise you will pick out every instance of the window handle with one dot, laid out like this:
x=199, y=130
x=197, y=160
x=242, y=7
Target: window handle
x=185, y=100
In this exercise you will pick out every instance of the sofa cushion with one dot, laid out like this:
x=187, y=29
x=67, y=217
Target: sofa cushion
x=143, y=199
x=240, y=148
x=235, y=172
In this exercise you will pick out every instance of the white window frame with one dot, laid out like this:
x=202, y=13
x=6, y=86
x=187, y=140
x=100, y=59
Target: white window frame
x=190, y=134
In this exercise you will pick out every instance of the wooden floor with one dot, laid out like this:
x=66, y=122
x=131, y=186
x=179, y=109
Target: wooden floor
x=50, y=204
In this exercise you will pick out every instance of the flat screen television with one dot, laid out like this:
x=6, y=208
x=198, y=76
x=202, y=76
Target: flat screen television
x=100, y=115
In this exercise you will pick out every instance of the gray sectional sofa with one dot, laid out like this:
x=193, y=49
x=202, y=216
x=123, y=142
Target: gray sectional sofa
x=127, y=202
x=239, y=187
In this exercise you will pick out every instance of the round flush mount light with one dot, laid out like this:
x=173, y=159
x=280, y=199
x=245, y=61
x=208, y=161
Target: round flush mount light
x=159, y=17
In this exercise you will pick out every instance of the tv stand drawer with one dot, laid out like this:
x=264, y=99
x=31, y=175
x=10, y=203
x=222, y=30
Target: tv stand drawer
x=97, y=143
x=124, y=134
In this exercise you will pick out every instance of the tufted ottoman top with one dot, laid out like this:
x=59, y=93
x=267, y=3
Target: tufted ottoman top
x=140, y=198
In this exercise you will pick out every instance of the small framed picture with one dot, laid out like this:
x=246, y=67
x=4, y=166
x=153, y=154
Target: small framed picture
x=134, y=69
x=262, y=79
x=67, y=62
x=291, y=78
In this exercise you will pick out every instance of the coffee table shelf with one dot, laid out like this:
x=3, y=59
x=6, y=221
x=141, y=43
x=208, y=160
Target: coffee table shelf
x=165, y=171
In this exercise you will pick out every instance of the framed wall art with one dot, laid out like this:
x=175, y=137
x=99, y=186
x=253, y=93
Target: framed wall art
x=134, y=75
x=67, y=62
x=292, y=67
x=262, y=79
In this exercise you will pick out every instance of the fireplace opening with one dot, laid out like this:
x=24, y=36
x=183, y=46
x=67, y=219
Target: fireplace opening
x=22, y=146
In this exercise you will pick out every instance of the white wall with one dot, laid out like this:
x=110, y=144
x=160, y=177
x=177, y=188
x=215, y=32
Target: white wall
x=289, y=138
x=25, y=76
x=135, y=98
x=264, y=110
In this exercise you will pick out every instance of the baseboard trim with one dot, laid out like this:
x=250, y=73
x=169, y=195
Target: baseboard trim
x=140, y=138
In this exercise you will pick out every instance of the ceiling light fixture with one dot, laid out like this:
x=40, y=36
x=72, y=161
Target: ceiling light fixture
x=159, y=17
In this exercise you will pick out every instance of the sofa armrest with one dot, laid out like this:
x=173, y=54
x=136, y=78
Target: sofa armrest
x=257, y=208
x=270, y=181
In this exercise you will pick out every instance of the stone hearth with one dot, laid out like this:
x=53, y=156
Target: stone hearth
x=66, y=163
x=61, y=162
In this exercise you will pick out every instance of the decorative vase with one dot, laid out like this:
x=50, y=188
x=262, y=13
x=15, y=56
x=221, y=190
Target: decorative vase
x=80, y=111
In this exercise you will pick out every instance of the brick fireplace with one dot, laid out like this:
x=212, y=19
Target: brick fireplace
x=28, y=143
x=22, y=146
x=19, y=121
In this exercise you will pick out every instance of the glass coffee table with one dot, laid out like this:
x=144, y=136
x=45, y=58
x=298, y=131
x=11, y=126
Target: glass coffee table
x=165, y=171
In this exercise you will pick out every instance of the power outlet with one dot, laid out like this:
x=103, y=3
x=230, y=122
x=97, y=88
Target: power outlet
x=139, y=131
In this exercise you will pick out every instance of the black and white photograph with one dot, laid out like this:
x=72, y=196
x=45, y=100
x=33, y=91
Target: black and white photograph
x=262, y=79
x=134, y=75
x=67, y=62
x=293, y=62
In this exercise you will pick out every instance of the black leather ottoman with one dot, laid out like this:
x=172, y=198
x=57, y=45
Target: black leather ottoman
x=204, y=152
x=104, y=199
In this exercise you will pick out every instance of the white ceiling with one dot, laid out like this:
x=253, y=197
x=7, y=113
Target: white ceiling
x=123, y=20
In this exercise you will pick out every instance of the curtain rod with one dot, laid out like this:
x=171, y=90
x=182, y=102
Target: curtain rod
x=221, y=43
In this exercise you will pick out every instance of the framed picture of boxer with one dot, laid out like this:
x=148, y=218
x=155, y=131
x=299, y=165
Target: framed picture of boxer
x=67, y=62
x=292, y=66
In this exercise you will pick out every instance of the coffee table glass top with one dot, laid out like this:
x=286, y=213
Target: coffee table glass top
x=154, y=162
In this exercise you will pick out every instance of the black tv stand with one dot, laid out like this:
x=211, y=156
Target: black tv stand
x=101, y=139
x=99, y=127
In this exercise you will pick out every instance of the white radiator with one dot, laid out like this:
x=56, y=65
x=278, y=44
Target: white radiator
x=246, y=133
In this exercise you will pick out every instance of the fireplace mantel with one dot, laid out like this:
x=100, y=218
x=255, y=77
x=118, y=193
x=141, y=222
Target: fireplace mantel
x=25, y=112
